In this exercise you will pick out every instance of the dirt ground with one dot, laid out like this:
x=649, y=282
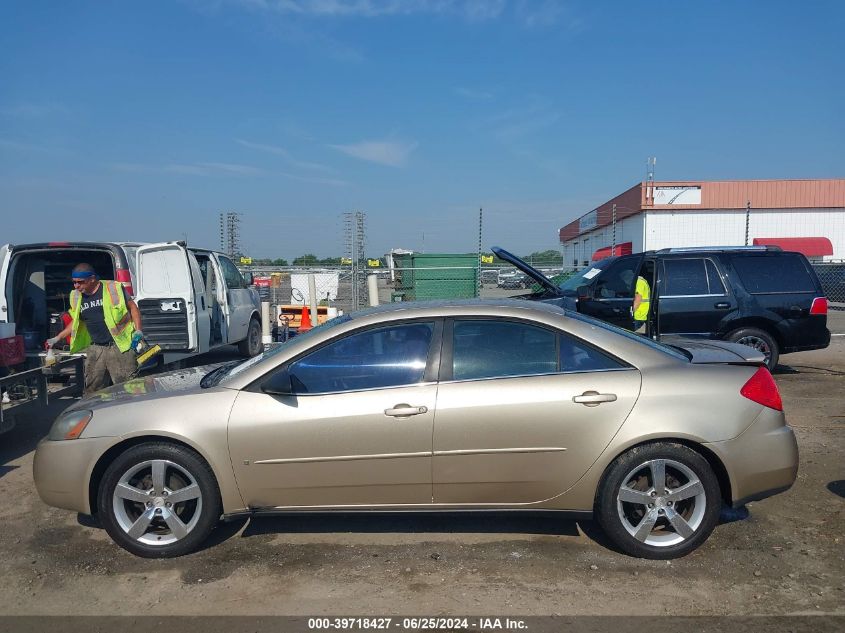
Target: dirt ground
x=783, y=555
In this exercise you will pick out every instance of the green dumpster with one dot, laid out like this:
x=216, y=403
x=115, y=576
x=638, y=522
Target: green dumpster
x=423, y=276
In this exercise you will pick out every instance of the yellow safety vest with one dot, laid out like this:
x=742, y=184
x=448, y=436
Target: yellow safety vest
x=644, y=291
x=116, y=314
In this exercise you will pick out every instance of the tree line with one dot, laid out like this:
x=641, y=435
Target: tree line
x=548, y=258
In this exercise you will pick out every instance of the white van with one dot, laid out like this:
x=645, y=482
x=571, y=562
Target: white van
x=191, y=300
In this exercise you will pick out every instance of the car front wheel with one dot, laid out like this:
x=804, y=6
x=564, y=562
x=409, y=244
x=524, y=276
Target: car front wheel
x=659, y=501
x=159, y=500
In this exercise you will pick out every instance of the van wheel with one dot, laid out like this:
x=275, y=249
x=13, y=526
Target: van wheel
x=252, y=345
x=759, y=340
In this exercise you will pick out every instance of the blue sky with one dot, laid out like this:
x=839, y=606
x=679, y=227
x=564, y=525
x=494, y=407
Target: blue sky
x=144, y=120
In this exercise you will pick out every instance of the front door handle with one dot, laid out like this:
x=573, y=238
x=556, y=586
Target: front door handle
x=594, y=398
x=722, y=305
x=404, y=411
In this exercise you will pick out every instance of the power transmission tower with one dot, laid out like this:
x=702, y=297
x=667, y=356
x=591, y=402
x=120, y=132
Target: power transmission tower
x=230, y=239
x=353, y=223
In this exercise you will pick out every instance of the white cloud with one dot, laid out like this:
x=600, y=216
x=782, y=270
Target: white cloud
x=285, y=154
x=332, y=182
x=390, y=153
x=191, y=169
x=31, y=147
x=473, y=94
x=520, y=122
x=33, y=110
x=469, y=9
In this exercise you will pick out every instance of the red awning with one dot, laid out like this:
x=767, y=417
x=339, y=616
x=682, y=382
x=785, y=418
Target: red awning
x=809, y=246
x=625, y=248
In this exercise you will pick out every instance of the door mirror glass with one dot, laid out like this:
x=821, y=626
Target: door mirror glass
x=249, y=278
x=584, y=292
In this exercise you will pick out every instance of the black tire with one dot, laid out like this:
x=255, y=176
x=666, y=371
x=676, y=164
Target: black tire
x=759, y=340
x=695, y=515
x=182, y=469
x=252, y=345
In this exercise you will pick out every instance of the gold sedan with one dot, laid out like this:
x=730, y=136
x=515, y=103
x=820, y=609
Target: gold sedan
x=455, y=406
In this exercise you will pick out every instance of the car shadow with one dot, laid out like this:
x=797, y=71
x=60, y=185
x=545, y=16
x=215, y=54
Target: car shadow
x=806, y=369
x=412, y=523
x=837, y=487
x=28, y=430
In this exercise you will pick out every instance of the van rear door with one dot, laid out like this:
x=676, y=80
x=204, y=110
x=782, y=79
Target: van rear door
x=165, y=296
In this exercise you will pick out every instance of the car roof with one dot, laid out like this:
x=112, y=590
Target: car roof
x=458, y=305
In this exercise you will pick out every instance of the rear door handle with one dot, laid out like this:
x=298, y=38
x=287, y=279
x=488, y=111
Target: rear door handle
x=594, y=398
x=404, y=411
x=722, y=305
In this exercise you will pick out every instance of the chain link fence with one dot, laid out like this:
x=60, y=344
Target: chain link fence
x=288, y=290
x=832, y=277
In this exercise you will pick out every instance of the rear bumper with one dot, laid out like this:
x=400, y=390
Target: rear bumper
x=761, y=462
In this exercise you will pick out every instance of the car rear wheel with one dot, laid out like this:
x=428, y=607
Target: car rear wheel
x=252, y=344
x=760, y=340
x=659, y=501
x=159, y=500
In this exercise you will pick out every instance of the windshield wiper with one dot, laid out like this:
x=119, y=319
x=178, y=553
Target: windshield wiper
x=216, y=375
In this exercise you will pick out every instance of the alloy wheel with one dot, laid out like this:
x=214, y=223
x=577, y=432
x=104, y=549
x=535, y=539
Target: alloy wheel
x=661, y=502
x=157, y=502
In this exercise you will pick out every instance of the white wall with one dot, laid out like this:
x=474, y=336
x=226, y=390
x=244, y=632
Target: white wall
x=627, y=230
x=666, y=229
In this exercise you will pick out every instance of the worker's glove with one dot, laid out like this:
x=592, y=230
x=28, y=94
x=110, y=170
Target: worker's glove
x=138, y=341
x=51, y=342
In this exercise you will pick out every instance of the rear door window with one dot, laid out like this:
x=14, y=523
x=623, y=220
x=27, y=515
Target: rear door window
x=497, y=349
x=694, y=276
x=771, y=274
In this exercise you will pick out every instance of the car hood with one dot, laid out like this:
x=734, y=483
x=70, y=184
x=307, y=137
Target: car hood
x=528, y=269
x=707, y=352
x=147, y=387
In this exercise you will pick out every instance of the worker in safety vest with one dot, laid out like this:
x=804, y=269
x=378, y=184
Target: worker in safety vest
x=105, y=323
x=642, y=300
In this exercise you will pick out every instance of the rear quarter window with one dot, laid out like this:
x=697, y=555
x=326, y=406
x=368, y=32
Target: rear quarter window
x=770, y=274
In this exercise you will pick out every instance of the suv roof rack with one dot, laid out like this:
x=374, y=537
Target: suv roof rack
x=697, y=249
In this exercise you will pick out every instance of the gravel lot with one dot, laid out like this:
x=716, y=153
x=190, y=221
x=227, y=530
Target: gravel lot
x=783, y=555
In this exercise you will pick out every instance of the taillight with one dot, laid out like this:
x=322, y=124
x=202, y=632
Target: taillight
x=761, y=388
x=819, y=306
x=125, y=278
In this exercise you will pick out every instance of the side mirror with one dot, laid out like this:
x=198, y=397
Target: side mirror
x=279, y=384
x=249, y=278
x=584, y=292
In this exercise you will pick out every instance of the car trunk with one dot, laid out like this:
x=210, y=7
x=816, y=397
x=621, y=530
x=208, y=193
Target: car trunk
x=715, y=352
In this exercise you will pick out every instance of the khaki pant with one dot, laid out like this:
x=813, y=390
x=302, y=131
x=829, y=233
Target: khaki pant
x=107, y=359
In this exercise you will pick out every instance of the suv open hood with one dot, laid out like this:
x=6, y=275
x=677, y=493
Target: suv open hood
x=529, y=270
x=706, y=352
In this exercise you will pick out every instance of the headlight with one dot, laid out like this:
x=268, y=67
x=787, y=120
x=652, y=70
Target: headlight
x=69, y=426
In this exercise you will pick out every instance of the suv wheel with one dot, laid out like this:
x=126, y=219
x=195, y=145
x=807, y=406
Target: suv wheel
x=760, y=340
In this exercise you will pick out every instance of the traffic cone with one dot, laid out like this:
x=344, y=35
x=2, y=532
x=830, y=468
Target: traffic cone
x=305, y=320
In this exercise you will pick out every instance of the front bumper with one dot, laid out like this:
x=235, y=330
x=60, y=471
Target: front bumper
x=62, y=471
x=761, y=462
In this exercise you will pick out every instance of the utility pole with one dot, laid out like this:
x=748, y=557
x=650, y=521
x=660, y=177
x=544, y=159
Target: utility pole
x=478, y=281
x=613, y=243
x=747, y=219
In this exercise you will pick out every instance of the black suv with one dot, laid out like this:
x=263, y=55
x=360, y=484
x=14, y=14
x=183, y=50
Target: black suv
x=759, y=296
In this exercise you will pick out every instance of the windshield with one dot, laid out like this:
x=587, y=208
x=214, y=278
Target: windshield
x=584, y=276
x=215, y=376
x=660, y=347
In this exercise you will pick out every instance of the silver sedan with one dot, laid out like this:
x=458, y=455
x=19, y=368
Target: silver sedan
x=482, y=405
